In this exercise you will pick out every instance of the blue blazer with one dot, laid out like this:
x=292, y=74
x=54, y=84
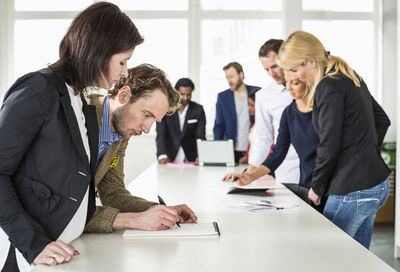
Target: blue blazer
x=225, y=126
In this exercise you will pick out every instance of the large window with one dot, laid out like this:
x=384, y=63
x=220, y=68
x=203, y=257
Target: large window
x=354, y=46
x=196, y=38
x=224, y=41
x=35, y=49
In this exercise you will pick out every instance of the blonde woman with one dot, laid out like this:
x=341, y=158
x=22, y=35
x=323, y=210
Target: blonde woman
x=295, y=128
x=351, y=127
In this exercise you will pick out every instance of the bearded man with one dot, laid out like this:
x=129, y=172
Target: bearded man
x=232, y=117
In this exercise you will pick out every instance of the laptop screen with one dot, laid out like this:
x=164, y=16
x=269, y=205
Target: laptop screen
x=215, y=152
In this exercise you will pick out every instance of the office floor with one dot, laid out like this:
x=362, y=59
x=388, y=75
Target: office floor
x=382, y=244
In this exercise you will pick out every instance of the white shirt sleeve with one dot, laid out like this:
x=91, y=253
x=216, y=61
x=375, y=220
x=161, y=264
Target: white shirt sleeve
x=264, y=132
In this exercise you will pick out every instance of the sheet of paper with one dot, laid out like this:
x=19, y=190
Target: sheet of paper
x=181, y=164
x=263, y=205
x=263, y=183
x=199, y=229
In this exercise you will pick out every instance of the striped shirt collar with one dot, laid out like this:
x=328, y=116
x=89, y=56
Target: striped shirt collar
x=106, y=134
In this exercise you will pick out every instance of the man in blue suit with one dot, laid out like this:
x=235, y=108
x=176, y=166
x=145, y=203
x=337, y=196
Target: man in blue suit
x=232, y=119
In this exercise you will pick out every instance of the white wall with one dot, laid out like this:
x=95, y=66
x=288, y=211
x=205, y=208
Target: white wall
x=389, y=66
x=2, y=46
x=140, y=154
x=397, y=207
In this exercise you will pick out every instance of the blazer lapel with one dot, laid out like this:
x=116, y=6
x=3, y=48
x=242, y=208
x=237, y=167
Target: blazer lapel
x=105, y=161
x=177, y=125
x=188, y=112
x=70, y=117
x=93, y=132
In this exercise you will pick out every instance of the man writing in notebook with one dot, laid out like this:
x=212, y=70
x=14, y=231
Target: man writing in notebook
x=143, y=97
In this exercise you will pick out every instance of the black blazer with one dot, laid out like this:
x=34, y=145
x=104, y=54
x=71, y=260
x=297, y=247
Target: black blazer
x=351, y=126
x=44, y=170
x=170, y=138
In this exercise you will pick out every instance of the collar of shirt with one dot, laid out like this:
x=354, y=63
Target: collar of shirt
x=106, y=135
x=276, y=87
x=95, y=90
x=182, y=116
x=185, y=109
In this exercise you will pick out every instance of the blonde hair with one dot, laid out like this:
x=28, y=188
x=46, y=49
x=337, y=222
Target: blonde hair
x=300, y=46
x=307, y=93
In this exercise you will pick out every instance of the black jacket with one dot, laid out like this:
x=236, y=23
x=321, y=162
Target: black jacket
x=44, y=170
x=351, y=126
x=170, y=138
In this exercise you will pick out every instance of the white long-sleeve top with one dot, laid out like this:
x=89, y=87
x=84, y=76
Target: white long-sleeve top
x=270, y=103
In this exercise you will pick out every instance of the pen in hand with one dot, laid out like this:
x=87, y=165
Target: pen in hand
x=163, y=203
x=236, y=178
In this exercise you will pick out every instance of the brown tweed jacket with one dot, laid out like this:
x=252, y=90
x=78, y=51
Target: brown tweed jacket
x=109, y=182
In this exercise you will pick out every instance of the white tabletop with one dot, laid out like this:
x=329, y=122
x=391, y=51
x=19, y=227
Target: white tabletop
x=296, y=239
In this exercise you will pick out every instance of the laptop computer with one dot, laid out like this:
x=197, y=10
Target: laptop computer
x=215, y=152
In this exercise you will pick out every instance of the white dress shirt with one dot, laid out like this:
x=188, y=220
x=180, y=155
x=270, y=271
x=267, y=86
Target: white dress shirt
x=270, y=103
x=76, y=226
x=180, y=156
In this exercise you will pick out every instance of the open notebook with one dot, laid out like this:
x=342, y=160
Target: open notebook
x=199, y=229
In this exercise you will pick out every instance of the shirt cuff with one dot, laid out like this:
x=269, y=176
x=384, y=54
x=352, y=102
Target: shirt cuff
x=162, y=156
x=112, y=224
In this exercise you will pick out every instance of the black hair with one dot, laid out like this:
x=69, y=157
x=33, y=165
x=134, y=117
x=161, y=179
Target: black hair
x=184, y=82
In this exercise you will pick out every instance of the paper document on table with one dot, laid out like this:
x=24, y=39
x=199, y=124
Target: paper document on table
x=181, y=164
x=264, y=183
x=263, y=205
x=199, y=229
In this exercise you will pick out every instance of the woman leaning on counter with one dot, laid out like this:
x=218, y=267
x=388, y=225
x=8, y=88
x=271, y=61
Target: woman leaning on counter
x=49, y=140
x=351, y=126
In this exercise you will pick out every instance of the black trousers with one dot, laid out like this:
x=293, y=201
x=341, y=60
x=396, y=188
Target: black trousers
x=238, y=155
x=302, y=192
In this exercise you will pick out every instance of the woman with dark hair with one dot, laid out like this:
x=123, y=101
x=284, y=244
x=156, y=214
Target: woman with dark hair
x=49, y=140
x=252, y=111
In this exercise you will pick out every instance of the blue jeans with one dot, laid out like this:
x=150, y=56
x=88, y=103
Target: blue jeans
x=355, y=212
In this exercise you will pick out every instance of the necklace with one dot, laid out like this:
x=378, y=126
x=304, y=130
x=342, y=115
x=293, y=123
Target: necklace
x=80, y=106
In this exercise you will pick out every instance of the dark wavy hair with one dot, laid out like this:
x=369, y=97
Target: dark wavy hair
x=143, y=80
x=271, y=45
x=95, y=35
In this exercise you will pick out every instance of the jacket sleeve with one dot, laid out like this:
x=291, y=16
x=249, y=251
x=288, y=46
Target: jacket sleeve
x=278, y=154
x=219, y=124
x=201, y=126
x=161, y=129
x=382, y=121
x=330, y=108
x=24, y=110
x=115, y=197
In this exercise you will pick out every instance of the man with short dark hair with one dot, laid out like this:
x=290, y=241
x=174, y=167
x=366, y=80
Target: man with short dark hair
x=232, y=117
x=177, y=133
x=270, y=103
x=135, y=103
